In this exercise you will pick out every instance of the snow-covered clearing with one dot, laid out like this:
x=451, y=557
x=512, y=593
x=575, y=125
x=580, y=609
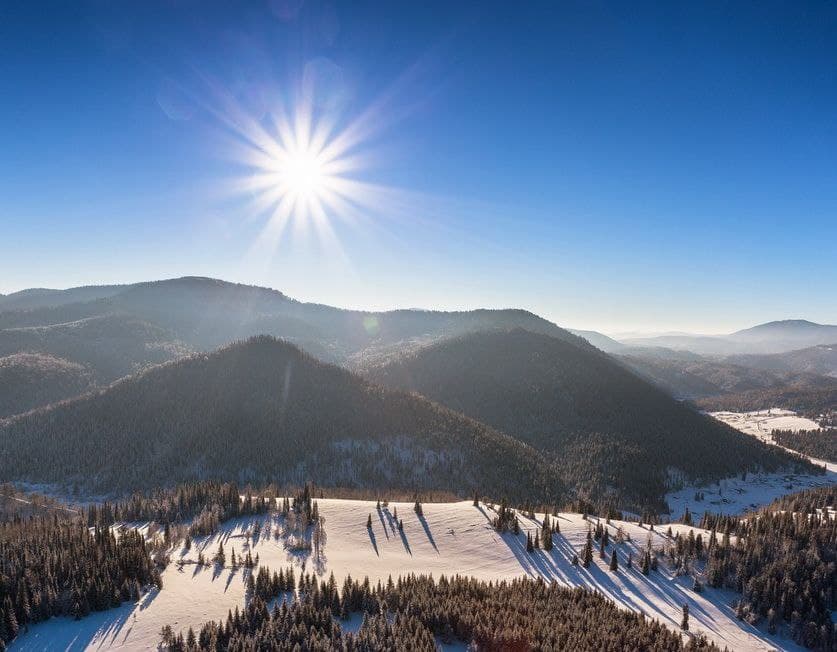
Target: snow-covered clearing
x=450, y=538
x=737, y=495
x=762, y=422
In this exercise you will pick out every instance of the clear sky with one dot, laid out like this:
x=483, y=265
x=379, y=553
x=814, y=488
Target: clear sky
x=618, y=166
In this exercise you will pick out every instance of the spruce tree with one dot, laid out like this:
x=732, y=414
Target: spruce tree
x=684, y=624
x=614, y=561
x=587, y=554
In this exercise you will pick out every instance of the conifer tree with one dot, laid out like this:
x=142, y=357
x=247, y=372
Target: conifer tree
x=684, y=623
x=587, y=554
x=614, y=561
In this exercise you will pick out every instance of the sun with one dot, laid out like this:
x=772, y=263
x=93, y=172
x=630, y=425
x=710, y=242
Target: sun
x=302, y=174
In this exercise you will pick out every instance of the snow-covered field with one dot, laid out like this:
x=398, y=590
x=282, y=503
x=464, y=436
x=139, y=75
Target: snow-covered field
x=738, y=495
x=451, y=538
x=762, y=422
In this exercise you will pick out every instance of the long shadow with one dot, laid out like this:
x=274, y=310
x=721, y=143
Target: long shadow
x=233, y=573
x=372, y=539
x=383, y=522
x=100, y=629
x=404, y=541
x=427, y=532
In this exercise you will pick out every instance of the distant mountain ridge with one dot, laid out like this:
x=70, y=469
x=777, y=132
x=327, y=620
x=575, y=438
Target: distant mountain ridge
x=771, y=337
x=117, y=330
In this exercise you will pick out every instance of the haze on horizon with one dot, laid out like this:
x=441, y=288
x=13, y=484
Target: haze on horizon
x=601, y=169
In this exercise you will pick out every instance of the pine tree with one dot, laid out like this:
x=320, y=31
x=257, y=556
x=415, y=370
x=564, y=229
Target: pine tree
x=684, y=624
x=614, y=561
x=369, y=522
x=220, y=557
x=646, y=563
x=529, y=545
x=587, y=554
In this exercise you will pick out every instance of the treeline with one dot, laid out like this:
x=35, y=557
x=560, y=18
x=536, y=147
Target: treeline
x=52, y=566
x=205, y=504
x=821, y=444
x=808, y=401
x=784, y=561
x=413, y=612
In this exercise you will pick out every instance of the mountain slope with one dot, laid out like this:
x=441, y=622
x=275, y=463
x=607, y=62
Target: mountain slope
x=264, y=411
x=698, y=377
x=606, y=427
x=599, y=340
x=46, y=298
x=110, y=345
x=821, y=359
x=28, y=380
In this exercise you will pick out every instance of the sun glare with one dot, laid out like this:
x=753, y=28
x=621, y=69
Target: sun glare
x=302, y=174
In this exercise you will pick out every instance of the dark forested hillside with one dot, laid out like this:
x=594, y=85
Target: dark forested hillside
x=264, y=411
x=821, y=444
x=607, y=428
x=29, y=380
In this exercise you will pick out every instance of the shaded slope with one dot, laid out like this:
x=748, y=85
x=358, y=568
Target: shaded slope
x=607, y=428
x=110, y=345
x=264, y=411
x=29, y=380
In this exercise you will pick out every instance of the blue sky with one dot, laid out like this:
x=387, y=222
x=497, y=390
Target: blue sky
x=618, y=166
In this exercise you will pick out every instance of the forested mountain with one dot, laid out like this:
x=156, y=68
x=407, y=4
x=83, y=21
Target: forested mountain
x=820, y=359
x=263, y=410
x=692, y=376
x=206, y=313
x=607, y=428
x=109, y=346
x=118, y=330
x=29, y=380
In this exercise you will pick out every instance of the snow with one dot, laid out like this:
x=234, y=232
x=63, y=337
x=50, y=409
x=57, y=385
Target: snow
x=450, y=538
x=738, y=495
x=762, y=422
